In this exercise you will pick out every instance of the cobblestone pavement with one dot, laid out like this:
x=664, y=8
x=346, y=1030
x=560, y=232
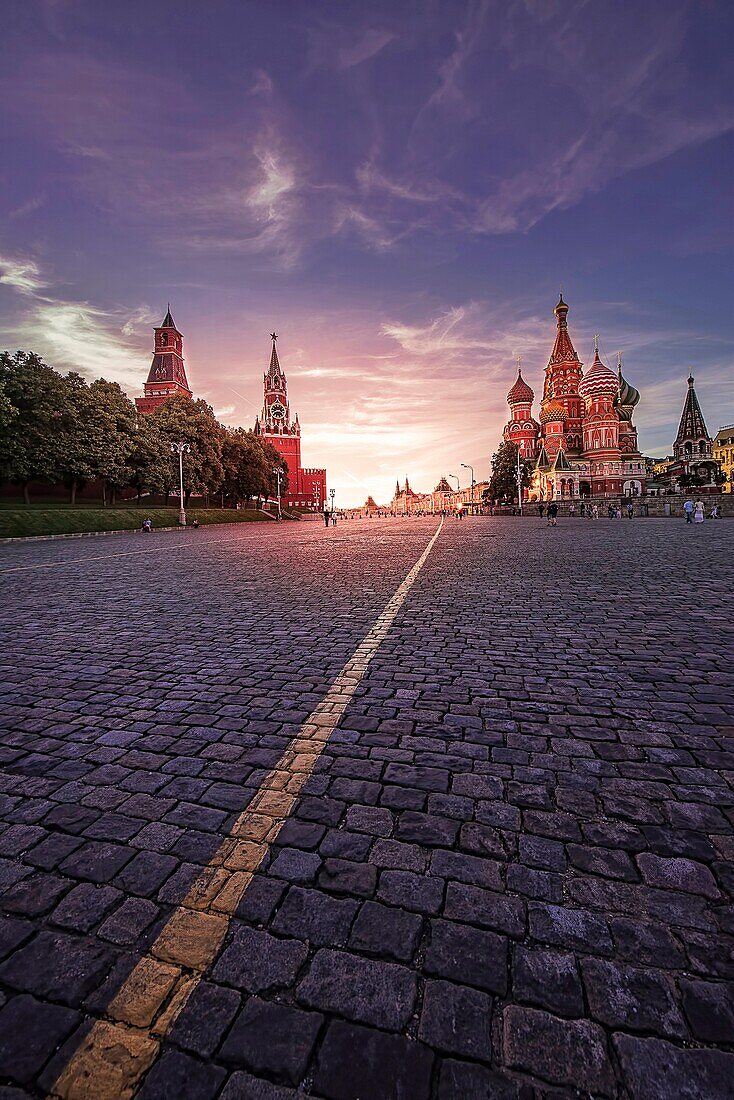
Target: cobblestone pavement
x=509, y=875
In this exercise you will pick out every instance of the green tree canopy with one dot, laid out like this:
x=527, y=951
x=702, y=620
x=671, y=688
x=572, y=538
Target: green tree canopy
x=31, y=444
x=503, y=479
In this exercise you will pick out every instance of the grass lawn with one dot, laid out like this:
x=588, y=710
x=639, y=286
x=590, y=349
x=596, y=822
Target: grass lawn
x=62, y=520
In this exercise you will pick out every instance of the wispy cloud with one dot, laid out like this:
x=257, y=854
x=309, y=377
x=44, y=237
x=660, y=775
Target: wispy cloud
x=70, y=335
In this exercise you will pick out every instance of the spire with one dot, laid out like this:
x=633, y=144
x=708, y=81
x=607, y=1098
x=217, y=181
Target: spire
x=563, y=349
x=168, y=321
x=692, y=427
x=274, y=369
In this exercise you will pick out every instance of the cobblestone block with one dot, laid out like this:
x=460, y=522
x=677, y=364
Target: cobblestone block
x=467, y=955
x=630, y=997
x=272, y=1038
x=709, y=1009
x=549, y=979
x=566, y=1052
x=456, y=1020
x=657, y=1070
x=206, y=1016
x=30, y=1032
x=176, y=1075
x=356, y=1063
x=380, y=930
x=256, y=961
x=315, y=917
x=363, y=990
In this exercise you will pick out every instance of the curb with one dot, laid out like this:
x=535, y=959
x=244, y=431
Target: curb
x=104, y=534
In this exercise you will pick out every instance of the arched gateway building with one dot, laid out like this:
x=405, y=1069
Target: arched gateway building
x=585, y=444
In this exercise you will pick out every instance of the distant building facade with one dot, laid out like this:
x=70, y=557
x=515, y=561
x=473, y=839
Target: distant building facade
x=693, y=459
x=584, y=443
x=306, y=487
x=724, y=455
x=167, y=374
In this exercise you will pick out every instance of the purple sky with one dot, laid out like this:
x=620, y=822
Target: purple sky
x=399, y=188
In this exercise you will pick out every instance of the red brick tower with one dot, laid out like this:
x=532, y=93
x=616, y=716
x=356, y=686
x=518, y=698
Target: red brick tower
x=562, y=380
x=167, y=375
x=521, y=429
x=306, y=488
x=599, y=390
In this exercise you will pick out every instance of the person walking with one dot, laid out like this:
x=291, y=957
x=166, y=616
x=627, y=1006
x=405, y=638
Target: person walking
x=630, y=510
x=326, y=518
x=541, y=509
x=714, y=513
x=688, y=509
x=552, y=514
x=572, y=510
x=699, y=512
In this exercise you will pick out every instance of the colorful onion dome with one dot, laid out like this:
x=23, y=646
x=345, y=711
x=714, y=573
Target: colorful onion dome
x=628, y=395
x=520, y=392
x=552, y=412
x=599, y=380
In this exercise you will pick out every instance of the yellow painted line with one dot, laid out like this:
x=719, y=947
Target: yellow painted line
x=118, y=1051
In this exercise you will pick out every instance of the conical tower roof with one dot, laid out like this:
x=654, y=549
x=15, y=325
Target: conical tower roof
x=274, y=368
x=563, y=349
x=542, y=462
x=561, y=462
x=168, y=321
x=692, y=424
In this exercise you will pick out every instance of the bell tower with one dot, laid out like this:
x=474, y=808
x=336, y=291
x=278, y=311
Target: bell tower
x=274, y=423
x=167, y=375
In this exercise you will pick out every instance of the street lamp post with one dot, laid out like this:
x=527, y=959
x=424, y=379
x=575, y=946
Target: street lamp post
x=455, y=478
x=181, y=449
x=278, y=471
x=469, y=467
x=518, y=478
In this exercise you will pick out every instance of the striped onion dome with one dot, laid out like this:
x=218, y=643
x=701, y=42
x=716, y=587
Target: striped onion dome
x=599, y=380
x=553, y=412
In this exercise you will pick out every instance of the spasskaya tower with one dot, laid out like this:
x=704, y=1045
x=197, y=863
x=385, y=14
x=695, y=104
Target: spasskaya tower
x=307, y=487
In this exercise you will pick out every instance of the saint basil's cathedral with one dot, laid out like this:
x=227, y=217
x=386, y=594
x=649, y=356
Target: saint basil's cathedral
x=167, y=378
x=585, y=444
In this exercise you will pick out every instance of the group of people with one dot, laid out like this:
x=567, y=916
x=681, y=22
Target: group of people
x=695, y=513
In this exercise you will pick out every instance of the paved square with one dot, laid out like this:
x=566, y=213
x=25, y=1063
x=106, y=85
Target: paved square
x=508, y=873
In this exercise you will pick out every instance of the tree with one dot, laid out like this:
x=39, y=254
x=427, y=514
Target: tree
x=273, y=459
x=31, y=445
x=243, y=459
x=503, y=479
x=150, y=459
x=76, y=466
x=111, y=435
x=179, y=419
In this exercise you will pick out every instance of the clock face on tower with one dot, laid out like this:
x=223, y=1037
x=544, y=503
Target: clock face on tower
x=277, y=410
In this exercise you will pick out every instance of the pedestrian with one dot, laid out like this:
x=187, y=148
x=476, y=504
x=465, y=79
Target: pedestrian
x=714, y=513
x=610, y=511
x=541, y=509
x=147, y=526
x=572, y=510
x=698, y=514
x=195, y=525
x=326, y=518
x=595, y=511
x=630, y=510
x=688, y=509
x=617, y=512
x=552, y=514
x=582, y=509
